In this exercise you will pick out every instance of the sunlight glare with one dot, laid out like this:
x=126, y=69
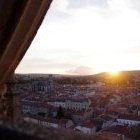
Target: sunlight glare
x=114, y=72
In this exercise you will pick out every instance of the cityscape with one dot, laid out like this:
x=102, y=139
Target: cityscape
x=69, y=69
x=105, y=104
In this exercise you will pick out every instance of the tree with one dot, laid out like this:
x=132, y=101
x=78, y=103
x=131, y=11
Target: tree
x=60, y=113
x=42, y=114
x=68, y=116
x=137, y=132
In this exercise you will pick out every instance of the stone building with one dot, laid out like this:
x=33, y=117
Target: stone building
x=42, y=86
x=13, y=102
x=71, y=103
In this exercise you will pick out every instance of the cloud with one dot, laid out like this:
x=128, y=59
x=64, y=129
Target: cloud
x=81, y=70
x=43, y=66
x=76, y=4
x=64, y=9
x=57, y=12
x=96, y=34
x=135, y=4
x=57, y=17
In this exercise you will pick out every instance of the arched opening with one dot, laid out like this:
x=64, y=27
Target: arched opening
x=88, y=39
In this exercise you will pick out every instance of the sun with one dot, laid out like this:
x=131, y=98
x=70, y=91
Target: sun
x=114, y=72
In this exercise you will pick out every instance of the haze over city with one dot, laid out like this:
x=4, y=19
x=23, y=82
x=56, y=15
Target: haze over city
x=86, y=37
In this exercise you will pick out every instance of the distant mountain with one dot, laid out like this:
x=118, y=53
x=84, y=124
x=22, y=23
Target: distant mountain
x=133, y=73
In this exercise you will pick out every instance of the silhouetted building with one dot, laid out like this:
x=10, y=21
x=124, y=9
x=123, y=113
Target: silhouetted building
x=43, y=86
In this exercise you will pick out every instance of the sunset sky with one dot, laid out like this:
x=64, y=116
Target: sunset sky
x=86, y=37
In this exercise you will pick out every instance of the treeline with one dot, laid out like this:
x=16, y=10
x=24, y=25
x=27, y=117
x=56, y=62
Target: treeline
x=76, y=80
x=120, y=80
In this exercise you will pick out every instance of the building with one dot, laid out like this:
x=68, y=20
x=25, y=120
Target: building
x=128, y=120
x=48, y=122
x=86, y=128
x=43, y=85
x=57, y=123
x=71, y=103
x=79, y=116
x=118, y=131
x=107, y=121
x=34, y=107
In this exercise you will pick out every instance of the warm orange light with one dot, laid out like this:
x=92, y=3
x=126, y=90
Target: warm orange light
x=114, y=73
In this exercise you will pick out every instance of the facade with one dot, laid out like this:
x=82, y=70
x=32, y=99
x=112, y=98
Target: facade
x=43, y=86
x=39, y=108
x=34, y=108
x=80, y=115
x=77, y=104
x=62, y=123
x=34, y=83
x=49, y=122
x=86, y=128
x=107, y=121
x=128, y=121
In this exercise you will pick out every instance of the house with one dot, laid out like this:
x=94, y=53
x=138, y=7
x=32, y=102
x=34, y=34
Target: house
x=48, y=122
x=128, y=120
x=107, y=121
x=70, y=103
x=80, y=115
x=57, y=123
x=86, y=128
x=78, y=103
x=33, y=119
x=34, y=107
x=118, y=130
